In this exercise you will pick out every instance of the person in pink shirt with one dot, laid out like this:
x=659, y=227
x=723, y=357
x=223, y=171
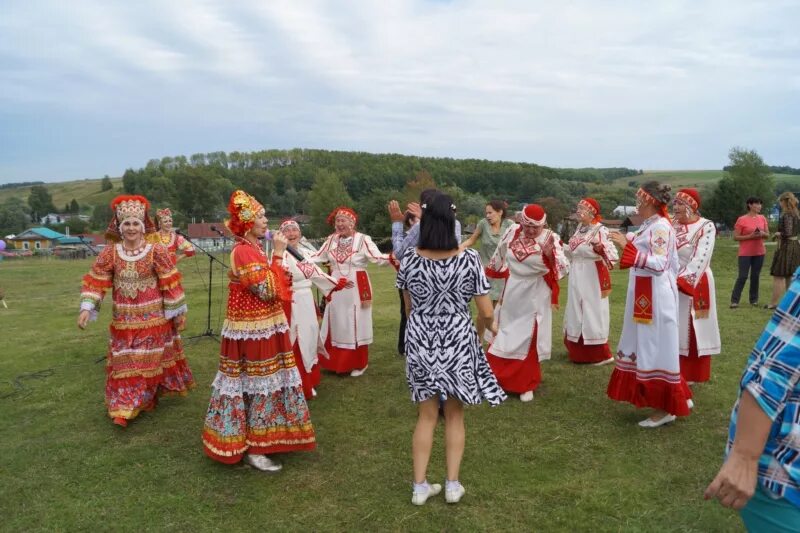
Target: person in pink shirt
x=750, y=230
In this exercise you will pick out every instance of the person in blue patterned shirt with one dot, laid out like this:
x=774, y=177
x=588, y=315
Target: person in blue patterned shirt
x=761, y=473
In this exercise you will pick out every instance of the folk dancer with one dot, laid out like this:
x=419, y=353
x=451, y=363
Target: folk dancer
x=647, y=372
x=145, y=356
x=257, y=407
x=531, y=259
x=592, y=255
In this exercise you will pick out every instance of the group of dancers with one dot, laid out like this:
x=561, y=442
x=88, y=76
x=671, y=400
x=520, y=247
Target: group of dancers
x=274, y=343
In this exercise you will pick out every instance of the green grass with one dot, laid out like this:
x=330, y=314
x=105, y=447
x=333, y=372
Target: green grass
x=692, y=178
x=572, y=460
x=87, y=192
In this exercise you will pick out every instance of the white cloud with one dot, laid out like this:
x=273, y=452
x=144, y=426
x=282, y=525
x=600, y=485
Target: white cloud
x=660, y=83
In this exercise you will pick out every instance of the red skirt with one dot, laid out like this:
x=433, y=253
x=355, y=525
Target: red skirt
x=583, y=354
x=310, y=379
x=669, y=396
x=517, y=375
x=693, y=367
x=343, y=360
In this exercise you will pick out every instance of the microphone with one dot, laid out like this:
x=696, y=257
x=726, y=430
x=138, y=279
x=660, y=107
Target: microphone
x=218, y=231
x=289, y=248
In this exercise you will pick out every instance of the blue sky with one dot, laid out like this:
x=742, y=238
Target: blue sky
x=89, y=88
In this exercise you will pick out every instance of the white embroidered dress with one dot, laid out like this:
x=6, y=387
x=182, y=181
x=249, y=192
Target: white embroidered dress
x=695, y=243
x=647, y=371
x=304, y=325
x=587, y=312
x=348, y=320
x=526, y=298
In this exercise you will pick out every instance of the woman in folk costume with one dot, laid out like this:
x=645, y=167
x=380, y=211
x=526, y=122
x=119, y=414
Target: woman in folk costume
x=257, y=407
x=586, y=320
x=647, y=372
x=302, y=311
x=179, y=248
x=346, y=330
x=697, y=306
x=145, y=356
x=530, y=257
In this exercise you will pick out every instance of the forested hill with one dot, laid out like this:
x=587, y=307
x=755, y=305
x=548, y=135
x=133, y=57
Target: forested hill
x=199, y=186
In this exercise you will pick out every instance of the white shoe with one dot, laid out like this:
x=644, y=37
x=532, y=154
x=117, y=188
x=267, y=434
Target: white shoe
x=419, y=498
x=313, y=392
x=454, y=495
x=690, y=404
x=356, y=373
x=263, y=463
x=690, y=383
x=604, y=362
x=666, y=419
x=526, y=396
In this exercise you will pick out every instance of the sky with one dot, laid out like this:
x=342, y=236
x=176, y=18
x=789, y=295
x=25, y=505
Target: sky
x=89, y=88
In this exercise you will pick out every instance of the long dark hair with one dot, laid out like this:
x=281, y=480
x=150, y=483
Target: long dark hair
x=437, y=230
x=500, y=206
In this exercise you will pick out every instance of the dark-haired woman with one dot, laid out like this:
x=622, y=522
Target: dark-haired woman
x=750, y=230
x=787, y=256
x=531, y=260
x=647, y=372
x=443, y=354
x=489, y=230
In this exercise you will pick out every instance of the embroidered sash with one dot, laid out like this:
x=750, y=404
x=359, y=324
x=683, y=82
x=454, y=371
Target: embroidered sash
x=604, y=277
x=702, y=298
x=643, y=300
x=364, y=290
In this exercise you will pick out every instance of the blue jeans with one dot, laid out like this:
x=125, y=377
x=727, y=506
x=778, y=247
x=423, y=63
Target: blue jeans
x=763, y=513
x=753, y=263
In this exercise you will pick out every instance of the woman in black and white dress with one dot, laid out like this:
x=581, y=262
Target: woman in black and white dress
x=443, y=354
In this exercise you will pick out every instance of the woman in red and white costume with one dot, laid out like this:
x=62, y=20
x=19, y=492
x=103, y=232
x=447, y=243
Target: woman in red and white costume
x=586, y=321
x=697, y=306
x=179, y=248
x=647, y=373
x=302, y=310
x=346, y=330
x=531, y=259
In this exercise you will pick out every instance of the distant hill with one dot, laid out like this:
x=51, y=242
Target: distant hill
x=692, y=178
x=86, y=192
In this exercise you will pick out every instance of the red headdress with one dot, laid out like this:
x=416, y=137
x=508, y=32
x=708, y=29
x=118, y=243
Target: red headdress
x=647, y=198
x=288, y=223
x=593, y=206
x=127, y=207
x=533, y=215
x=344, y=212
x=690, y=197
x=244, y=209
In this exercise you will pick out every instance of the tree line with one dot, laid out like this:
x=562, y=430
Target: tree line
x=313, y=182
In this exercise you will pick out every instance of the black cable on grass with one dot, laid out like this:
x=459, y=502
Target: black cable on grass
x=18, y=383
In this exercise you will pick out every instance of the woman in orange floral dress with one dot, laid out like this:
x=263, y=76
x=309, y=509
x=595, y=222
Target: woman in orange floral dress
x=257, y=406
x=145, y=356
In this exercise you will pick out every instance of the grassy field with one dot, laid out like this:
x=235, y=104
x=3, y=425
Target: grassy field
x=571, y=460
x=87, y=192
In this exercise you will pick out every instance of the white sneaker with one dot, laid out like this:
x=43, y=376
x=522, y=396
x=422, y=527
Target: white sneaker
x=454, y=495
x=690, y=383
x=690, y=404
x=356, y=373
x=666, y=419
x=263, y=463
x=604, y=362
x=313, y=392
x=419, y=498
x=526, y=396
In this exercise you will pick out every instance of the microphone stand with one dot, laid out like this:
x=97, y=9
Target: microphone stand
x=209, y=332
